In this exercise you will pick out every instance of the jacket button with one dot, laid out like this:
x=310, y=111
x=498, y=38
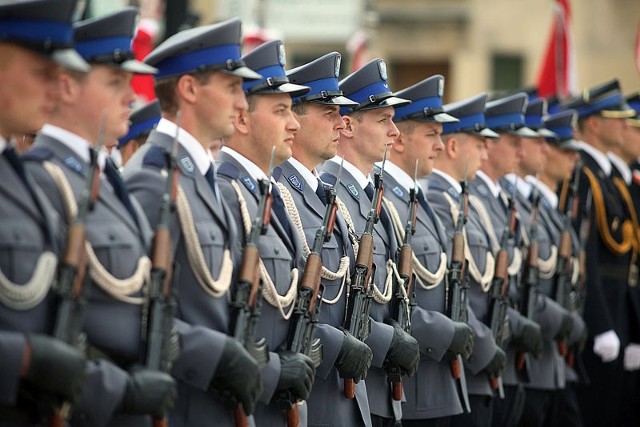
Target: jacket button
x=276, y=250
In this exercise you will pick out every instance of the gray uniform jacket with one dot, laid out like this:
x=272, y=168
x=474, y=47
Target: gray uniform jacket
x=498, y=211
x=113, y=327
x=280, y=255
x=358, y=205
x=547, y=371
x=431, y=393
x=327, y=404
x=202, y=320
x=484, y=347
x=28, y=227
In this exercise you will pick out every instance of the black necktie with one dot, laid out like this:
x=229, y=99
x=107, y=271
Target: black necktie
x=280, y=210
x=211, y=179
x=12, y=157
x=321, y=192
x=384, y=218
x=119, y=188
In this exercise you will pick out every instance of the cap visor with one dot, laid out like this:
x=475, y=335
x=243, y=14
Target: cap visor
x=618, y=114
x=444, y=118
x=138, y=67
x=546, y=133
x=488, y=133
x=570, y=144
x=70, y=59
x=244, y=72
x=526, y=132
x=337, y=100
x=293, y=89
x=635, y=122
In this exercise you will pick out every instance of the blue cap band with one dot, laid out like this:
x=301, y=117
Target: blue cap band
x=505, y=121
x=191, y=61
x=533, y=120
x=417, y=106
x=138, y=129
x=91, y=48
x=376, y=88
x=472, y=122
x=271, y=71
x=614, y=100
x=56, y=32
x=329, y=85
x=563, y=132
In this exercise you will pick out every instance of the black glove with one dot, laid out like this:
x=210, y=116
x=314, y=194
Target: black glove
x=149, y=392
x=238, y=376
x=56, y=368
x=565, y=326
x=296, y=374
x=354, y=358
x=404, y=351
x=496, y=365
x=462, y=342
x=528, y=338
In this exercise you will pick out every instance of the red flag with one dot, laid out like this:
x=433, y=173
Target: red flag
x=637, y=50
x=358, y=48
x=558, y=73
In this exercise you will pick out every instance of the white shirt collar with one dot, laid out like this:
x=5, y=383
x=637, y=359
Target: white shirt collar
x=254, y=171
x=200, y=155
x=309, y=176
x=550, y=196
x=398, y=174
x=3, y=144
x=598, y=156
x=75, y=143
x=494, y=187
x=455, y=184
x=621, y=166
x=522, y=186
x=362, y=179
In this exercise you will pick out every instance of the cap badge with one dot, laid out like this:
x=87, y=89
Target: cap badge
x=382, y=67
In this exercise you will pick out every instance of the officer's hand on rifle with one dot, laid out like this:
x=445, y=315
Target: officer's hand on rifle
x=527, y=337
x=149, y=392
x=497, y=364
x=462, y=342
x=238, y=375
x=354, y=358
x=565, y=326
x=404, y=351
x=54, y=367
x=296, y=374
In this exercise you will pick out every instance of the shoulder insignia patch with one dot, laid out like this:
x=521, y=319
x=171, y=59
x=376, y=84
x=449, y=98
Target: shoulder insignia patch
x=248, y=182
x=482, y=189
x=74, y=164
x=453, y=193
x=295, y=182
x=187, y=165
x=353, y=190
x=398, y=191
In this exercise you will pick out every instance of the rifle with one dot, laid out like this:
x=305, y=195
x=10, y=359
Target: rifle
x=72, y=270
x=500, y=282
x=306, y=311
x=529, y=284
x=162, y=302
x=246, y=300
x=563, y=275
x=404, y=299
x=456, y=303
x=357, y=311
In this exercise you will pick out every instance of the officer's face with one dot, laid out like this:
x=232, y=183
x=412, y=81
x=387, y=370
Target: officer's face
x=631, y=145
x=534, y=155
x=560, y=163
x=504, y=153
x=28, y=90
x=471, y=153
x=105, y=97
x=424, y=143
x=218, y=100
x=272, y=123
x=374, y=132
x=611, y=131
x=317, y=139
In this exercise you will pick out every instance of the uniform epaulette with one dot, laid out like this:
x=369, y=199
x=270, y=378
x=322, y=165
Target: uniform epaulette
x=155, y=156
x=38, y=154
x=228, y=170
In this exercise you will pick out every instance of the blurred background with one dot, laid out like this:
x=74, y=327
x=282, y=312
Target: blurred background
x=478, y=45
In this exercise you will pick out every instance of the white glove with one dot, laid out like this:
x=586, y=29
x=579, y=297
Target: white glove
x=632, y=357
x=607, y=346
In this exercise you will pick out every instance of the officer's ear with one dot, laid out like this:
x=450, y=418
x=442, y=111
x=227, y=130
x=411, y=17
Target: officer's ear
x=451, y=145
x=399, y=145
x=69, y=85
x=349, y=124
x=186, y=88
x=240, y=122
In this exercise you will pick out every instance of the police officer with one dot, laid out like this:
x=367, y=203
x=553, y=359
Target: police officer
x=432, y=394
x=141, y=122
x=199, y=87
x=269, y=125
x=35, y=369
x=93, y=107
x=611, y=250
x=464, y=151
x=369, y=130
x=318, y=113
x=503, y=154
